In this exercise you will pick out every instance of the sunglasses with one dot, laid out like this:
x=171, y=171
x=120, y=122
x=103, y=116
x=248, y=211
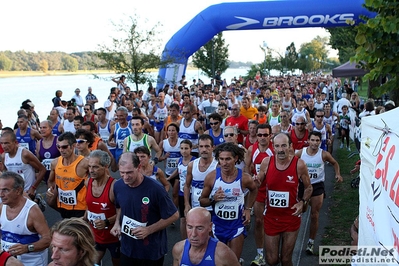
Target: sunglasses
x=86, y=109
x=62, y=147
x=213, y=124
x=300, y=124
x=283, y=116
x=319, y=115
x=228, y=135
x=80, y=141
x=262, y=135
x=185, y=113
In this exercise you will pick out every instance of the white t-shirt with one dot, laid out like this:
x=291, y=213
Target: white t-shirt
x=110, y=114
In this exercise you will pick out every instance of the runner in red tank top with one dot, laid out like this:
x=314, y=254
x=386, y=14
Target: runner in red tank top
x=251, y=138
x=281, y=173
x=101, y=210
x=299, y=135
x=255, y=155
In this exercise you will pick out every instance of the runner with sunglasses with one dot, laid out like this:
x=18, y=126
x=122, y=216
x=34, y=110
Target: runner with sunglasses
x=67, y=179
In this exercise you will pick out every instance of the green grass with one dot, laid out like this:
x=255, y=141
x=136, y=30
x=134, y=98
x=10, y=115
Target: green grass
x=363, y=91
x=345, y=203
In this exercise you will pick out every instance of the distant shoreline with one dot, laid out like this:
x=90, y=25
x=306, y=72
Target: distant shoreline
x=13, y=74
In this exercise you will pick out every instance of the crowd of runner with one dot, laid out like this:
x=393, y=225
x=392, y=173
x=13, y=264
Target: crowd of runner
x=226, y=151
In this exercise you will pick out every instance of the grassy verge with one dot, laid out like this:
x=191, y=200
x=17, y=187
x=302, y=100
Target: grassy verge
x=344, y=204
x=362, y=91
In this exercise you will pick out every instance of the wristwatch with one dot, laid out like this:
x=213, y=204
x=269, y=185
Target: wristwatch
x=304, y=201
x=31, y=248
x=107, y=223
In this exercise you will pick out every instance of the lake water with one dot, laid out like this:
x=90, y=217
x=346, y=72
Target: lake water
x=41, y=90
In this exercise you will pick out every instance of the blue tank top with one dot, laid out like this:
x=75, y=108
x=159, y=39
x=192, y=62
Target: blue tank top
x=209, y=255
x=217, y=139
x=121, y=133
x=55, y=129
x=26, y=141
x=324, y=135
x=228, y=212
x=154, y=173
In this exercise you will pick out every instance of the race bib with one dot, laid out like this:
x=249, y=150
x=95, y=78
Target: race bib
x=47, y=163
x=91, y=216
x=5, y=245
x=226, y=210
x=312, y=175
x=196, y=193
x=278, y=199
x=119, y=143
x=172, y=162
x=67, y=197
x=129, y=224
x=24, y=145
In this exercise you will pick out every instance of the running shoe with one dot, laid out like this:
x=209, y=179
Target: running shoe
x=40, y=202
x=309, y=249
x=341, y=146
x=258, y=261
x=349, y=148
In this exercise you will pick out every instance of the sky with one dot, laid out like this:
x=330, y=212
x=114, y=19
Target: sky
x=76, y=26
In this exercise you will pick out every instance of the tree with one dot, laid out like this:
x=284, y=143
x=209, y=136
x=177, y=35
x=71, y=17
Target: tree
x=213, y=56
x=69, y=63
x=5, y=62
x=315, y=53
x=43, y=65
x=377, y=50
x=291, y=57
x=342, y=39
x=133, y=52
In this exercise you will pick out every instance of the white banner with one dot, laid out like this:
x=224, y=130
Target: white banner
x=379, y=181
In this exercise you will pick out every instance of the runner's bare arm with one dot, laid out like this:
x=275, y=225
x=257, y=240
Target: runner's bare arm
x=205, y=201
x=262, y=171
x=187, y=187
x=248, y=160
x=328, y=157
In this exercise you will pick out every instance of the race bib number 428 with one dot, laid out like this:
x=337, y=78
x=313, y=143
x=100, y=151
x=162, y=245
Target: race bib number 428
x=279, y=199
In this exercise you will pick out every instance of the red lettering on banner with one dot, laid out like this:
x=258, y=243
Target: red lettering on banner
x=392, y=192
x=378, y=172
x=384, y=172
x=395, y=240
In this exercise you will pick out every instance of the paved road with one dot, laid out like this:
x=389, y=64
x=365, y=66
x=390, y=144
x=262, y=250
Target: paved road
x=300, y=258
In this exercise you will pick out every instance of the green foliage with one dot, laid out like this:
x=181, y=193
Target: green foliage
x=252, y=71
x=27, y=61
x=291, y=57
x=316, y=52
x=133, y=52
x=5, y=62
x=378, y=48
x=69, y=63
x=342, y=39
x=214, y=53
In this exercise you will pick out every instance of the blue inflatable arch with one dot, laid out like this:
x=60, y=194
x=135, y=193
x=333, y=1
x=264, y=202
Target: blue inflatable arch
x=267, y=14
